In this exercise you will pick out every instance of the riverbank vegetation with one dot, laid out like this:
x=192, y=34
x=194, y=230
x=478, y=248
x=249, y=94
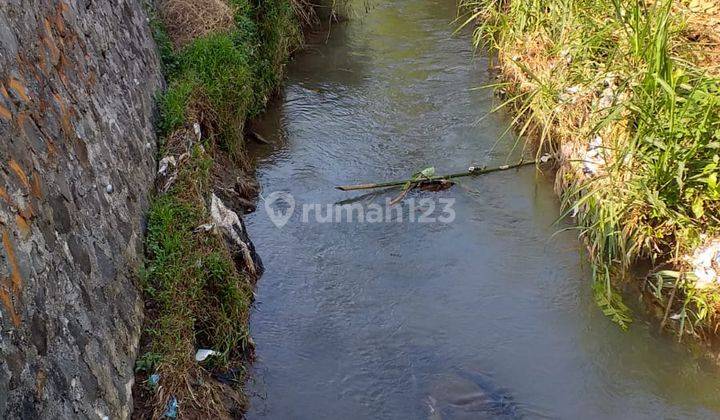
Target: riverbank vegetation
x=626, y=95
x=222, y=61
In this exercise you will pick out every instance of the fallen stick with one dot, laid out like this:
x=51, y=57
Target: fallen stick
x=258, y=137
x=472, y=171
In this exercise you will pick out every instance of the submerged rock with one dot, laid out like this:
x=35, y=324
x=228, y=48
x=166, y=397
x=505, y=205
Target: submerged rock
x=468, y=392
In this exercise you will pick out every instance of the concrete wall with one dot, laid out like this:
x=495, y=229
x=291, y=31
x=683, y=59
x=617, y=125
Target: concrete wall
x=77, y=151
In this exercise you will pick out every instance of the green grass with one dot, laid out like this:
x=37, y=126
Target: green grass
x=173, y=105
x=658, y=193
x=233, y=72
x=202, y=300
x=168, y=58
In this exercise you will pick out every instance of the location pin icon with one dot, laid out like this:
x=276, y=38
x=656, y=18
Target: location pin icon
x=279, y=216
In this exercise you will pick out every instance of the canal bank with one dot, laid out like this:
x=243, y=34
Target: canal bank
x=222, y=61
x=490, y=315
x=626, y=97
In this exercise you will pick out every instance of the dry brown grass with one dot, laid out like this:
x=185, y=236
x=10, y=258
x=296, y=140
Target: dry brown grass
x=305, y=11
x=200, y=395
x=703, y=32
x=187, y=20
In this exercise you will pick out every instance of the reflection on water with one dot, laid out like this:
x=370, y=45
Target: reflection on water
x=488, y=316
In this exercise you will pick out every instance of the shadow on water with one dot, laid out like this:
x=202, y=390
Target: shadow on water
x=397, y=320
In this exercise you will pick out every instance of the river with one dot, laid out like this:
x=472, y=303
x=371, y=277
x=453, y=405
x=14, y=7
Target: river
x=489, y=315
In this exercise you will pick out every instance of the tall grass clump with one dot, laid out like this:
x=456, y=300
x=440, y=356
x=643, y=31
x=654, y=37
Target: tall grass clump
x=226, y=74
x=615, y=90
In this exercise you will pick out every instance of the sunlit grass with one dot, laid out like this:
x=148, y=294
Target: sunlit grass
x=622, y=71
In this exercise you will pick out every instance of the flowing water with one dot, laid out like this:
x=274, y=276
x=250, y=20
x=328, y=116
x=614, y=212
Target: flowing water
x=489, y=315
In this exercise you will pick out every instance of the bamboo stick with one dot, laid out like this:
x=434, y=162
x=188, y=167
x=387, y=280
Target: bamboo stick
x=470, y=172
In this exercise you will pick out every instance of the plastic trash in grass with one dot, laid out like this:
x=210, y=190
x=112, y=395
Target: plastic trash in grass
x=153, y=381
x=171, y=411
x=203, y=354
x=593, y=159
x=705, y=263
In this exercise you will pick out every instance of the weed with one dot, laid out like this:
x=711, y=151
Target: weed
x=173, y=105
x=220, y=69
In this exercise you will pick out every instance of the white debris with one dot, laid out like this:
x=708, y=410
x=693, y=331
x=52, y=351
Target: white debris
x=165, y=164
x=109, y=189
x=570, y=94
x=167, y=175
x=705, y=263
x=545, y=158
x=229, y=222
x=203, y=354
x=593, y=160
x=207, y=227
x=607, y=98
x=608, y=95
x=575, y=211
x=609, y=79
x=198, y=132
x=225, y=218
x=168, y=183
x=566, y=55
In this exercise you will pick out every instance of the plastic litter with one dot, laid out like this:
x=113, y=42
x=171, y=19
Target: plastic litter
x=705, y=262
x=153, y=380
x=198, y=131
x=566, y=55
x=203, y=354
x=593, y=160
x=165, y=163
x=207, y=227
x=229, y=223
x=569, y=95
x=171, y=411
x=225, y=218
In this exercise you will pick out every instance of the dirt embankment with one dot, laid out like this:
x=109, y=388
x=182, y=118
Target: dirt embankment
x=222, y=59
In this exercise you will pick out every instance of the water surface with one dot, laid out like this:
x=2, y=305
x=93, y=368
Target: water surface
x=491, y=315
